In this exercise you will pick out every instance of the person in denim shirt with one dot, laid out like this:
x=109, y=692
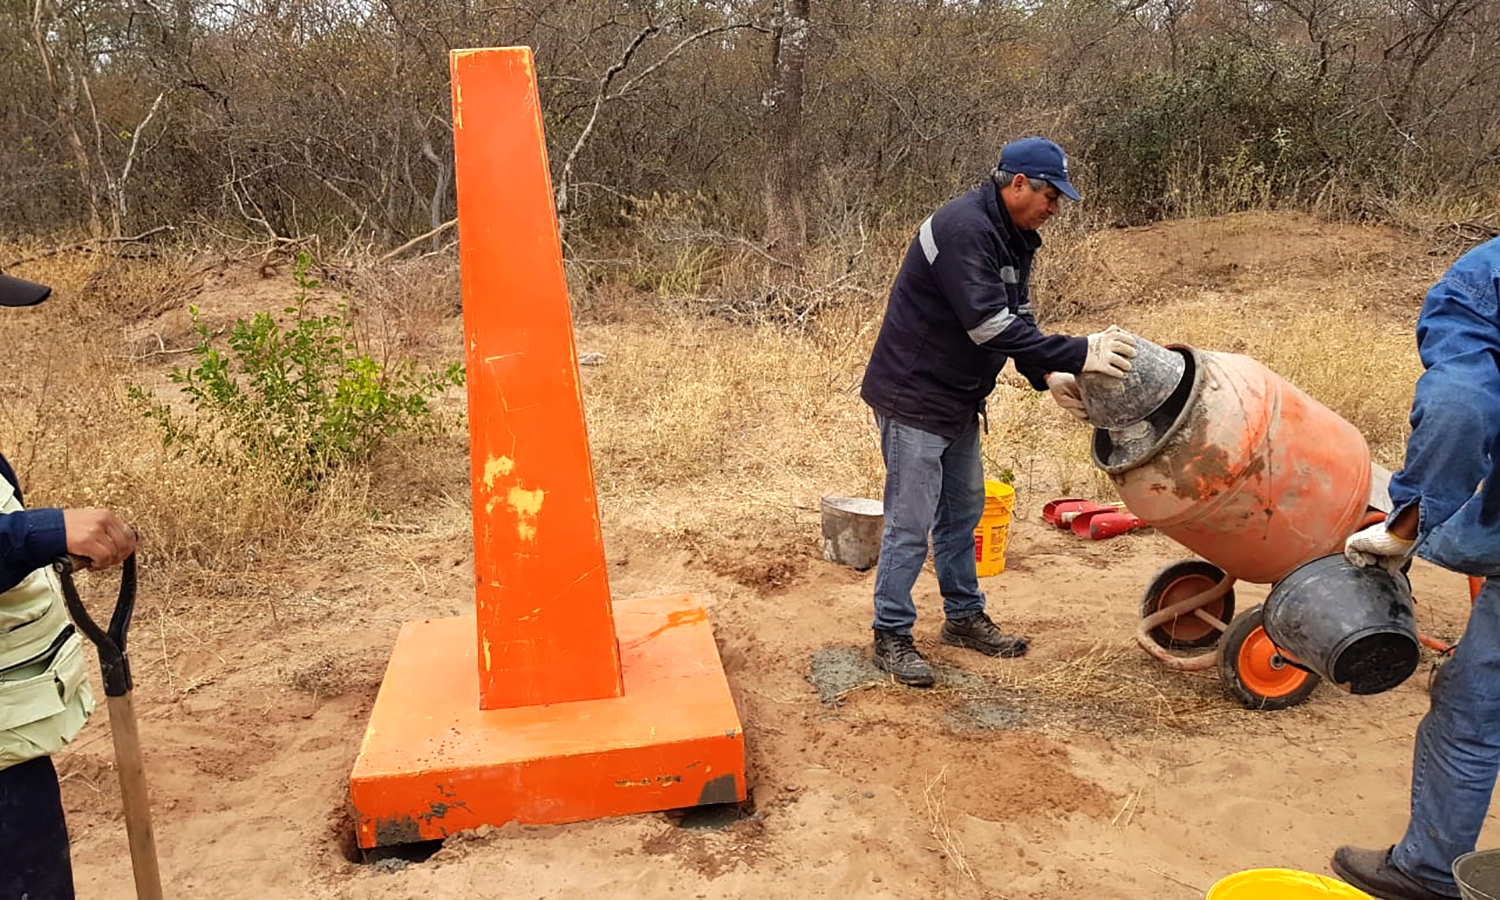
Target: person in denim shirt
x=44, y=695
x=1446, y=502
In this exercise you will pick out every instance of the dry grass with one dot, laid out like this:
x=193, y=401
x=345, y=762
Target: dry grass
x=76, y=440
x=711, y=420
x=948, y=841
x=1111, y=688
x=695, y=422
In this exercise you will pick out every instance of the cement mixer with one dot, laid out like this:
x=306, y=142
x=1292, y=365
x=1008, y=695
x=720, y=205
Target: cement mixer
x=1230, y=460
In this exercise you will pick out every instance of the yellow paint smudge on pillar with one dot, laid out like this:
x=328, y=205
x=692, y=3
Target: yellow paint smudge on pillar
x=527, y=504
x=494, y=468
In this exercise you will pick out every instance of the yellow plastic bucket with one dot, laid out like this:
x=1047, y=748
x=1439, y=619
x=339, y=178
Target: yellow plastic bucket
x=1283, y=884
x=994, y=528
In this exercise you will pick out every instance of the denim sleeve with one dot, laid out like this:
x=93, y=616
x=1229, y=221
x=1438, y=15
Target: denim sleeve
x=1455, y=416
x=29, y=539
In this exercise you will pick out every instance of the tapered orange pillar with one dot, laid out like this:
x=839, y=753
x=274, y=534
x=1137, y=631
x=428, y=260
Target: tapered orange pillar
x=552, y=703
x=545, y=630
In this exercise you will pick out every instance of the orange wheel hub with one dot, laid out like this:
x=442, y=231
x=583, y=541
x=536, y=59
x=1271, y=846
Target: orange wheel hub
x=1264, y=670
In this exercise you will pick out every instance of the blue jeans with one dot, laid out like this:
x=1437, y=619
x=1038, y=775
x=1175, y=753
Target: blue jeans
x=932, y=485
x=1457, y=754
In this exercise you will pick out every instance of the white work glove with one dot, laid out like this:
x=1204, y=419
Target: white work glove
x=1376, y=546
x=1064, y=389
x=1110, y=352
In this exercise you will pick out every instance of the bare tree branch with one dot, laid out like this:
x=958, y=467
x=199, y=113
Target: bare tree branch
x=681, y=45
x=89, y=245
x=135, y=140
x=417, y=240
x=562, y=201
x=65, y=119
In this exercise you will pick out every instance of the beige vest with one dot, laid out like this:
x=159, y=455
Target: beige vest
x=44, y=696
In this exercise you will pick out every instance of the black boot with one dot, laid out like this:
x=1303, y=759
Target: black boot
x=896, y=654
x=1373, y=872
x=978, y=632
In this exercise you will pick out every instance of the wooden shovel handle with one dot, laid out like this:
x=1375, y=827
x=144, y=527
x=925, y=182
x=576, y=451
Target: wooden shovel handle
x=132, y=773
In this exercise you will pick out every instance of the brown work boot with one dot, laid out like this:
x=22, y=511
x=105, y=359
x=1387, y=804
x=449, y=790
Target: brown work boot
x=978, y=632
x=1373, y=872
x=896, y=654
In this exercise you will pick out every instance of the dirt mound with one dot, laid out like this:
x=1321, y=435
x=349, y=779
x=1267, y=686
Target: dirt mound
x=1227, y=253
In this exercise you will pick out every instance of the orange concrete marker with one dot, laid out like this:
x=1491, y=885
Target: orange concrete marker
x=551, y=704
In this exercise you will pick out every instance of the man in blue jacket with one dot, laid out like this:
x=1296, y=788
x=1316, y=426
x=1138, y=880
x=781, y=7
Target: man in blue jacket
x=44, y=694
x=959, y=309
x=1447, y=510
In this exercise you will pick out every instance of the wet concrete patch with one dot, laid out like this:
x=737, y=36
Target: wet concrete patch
x=839, y=671
x=986, y=715
x=960, y=680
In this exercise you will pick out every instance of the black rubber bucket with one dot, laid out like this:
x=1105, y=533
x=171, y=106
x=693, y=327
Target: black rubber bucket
x=1350, y=624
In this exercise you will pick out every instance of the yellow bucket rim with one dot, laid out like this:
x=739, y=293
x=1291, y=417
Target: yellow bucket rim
x=1265, y=884
x=998, y=489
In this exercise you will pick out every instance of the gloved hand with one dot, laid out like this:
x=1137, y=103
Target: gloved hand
x=1376, y=546
x=1110, y=352
x=1064, y=389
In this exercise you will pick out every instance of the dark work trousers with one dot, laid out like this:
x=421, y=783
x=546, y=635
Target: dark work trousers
x=34, y=863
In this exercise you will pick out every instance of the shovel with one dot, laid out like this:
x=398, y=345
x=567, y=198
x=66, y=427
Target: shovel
x=115, y=667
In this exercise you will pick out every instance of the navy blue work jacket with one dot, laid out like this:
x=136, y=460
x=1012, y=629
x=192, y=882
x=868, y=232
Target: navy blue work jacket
x=959, y=309
x=29, y=539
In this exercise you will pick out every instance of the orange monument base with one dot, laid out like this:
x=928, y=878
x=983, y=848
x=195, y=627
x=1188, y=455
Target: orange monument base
x=553, y=703
x=434, y=763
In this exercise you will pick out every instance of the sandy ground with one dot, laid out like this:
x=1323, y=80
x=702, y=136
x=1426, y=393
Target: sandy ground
x=1083, y=770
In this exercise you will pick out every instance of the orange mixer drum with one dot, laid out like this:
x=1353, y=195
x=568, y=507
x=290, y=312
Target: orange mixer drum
x=1242, y=468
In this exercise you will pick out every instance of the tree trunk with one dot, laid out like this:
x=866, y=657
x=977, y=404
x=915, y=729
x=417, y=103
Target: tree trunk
x=65, y=103
x=786, y=208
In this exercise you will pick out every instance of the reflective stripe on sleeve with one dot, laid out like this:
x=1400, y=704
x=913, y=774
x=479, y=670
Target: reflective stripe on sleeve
x=991, y=326
x=929, y=244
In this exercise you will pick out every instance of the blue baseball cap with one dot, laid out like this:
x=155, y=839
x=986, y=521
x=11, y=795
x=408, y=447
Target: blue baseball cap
x=1037, y=157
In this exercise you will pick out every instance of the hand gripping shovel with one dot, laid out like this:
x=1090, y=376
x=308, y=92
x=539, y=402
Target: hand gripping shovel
x=115, y=666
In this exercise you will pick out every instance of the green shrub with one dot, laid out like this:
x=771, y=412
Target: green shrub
x=297, y=399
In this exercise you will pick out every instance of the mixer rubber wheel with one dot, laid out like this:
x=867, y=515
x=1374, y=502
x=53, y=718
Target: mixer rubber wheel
x=1175, y=583
x=1254, y=672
